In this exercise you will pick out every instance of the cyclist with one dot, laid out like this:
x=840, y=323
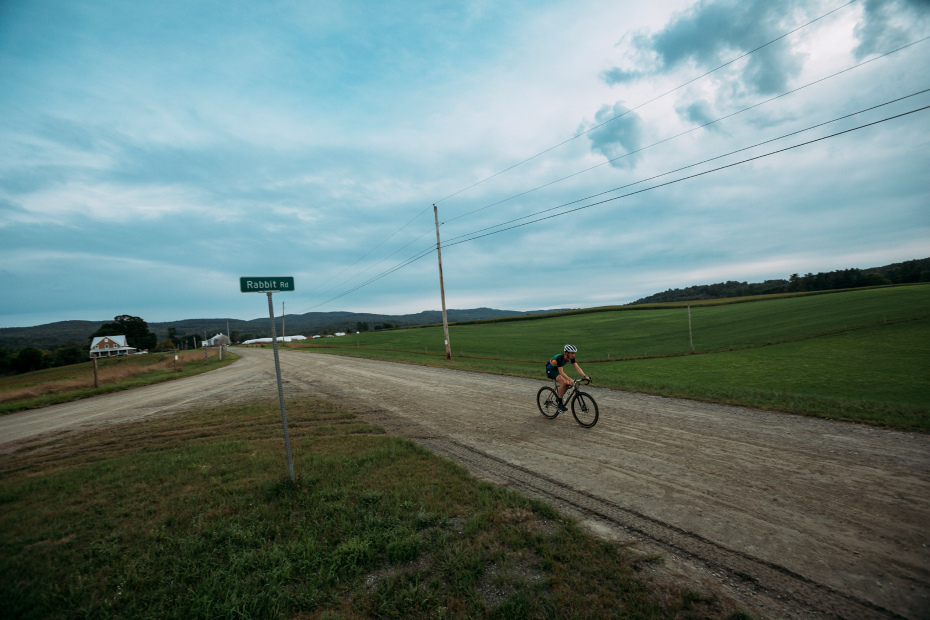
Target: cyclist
x=554, y=371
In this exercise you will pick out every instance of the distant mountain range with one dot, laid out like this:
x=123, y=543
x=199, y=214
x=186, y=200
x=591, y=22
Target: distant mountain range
x=53, y=335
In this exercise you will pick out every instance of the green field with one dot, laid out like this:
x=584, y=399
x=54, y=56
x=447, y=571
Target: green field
x=861, y=355
x=192, y=516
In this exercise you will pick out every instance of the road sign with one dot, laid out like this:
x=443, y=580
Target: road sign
x=266, y=285
x=269, y=286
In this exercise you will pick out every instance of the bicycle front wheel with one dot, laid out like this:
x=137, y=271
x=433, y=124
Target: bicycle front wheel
x=548, y=402
x=584, y=409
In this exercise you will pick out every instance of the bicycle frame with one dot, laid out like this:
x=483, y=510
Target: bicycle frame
x=570, y=392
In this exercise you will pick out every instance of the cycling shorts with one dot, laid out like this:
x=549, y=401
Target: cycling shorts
x=552, y=372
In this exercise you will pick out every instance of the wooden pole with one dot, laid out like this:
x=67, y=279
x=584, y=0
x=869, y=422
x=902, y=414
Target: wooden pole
x=442, y=290
x=95, y=372
x=283, y=341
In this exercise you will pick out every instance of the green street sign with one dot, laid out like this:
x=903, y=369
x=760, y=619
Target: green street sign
x=266, y=285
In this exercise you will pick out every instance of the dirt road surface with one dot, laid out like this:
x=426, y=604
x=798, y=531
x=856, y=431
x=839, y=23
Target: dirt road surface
x=789, y=516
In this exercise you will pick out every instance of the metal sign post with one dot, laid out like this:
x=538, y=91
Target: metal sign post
x=269, y=286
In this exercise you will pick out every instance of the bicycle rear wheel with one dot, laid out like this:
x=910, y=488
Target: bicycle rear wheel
x=548, y=402
x=584, y=409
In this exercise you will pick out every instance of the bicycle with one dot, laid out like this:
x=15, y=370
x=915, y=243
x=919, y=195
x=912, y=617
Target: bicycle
x=582, y=404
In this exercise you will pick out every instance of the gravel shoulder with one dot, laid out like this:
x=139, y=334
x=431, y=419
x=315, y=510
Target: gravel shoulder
x=790, y=516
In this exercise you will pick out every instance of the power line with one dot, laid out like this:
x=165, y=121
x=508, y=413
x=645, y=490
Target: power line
x=690, y=176
x=388, y=272
x=656, y=98
x=474, y=235
x=370, y=251
x=756, y=105
x=379, y=262
x=652, y=178
x=556, y=146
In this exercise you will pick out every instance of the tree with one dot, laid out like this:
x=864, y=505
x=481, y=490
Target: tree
x=6, y=361
x=165, y=345
x=71, y=353
x=135, y=329
x=29, y=359
x=172, y=333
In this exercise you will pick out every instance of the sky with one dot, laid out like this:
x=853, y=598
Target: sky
x=154, y=153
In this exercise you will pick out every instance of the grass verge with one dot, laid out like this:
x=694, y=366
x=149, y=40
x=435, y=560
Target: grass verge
x=191, y=517
x=58, y=385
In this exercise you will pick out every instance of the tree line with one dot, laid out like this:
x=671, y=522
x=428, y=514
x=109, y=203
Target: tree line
x=897, y=273
x=135, y=329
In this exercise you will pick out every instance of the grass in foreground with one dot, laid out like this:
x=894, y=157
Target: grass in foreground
x=66, y=383
x=190, y=517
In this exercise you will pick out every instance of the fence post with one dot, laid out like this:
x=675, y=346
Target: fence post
x=95, y=372
x=690, y=337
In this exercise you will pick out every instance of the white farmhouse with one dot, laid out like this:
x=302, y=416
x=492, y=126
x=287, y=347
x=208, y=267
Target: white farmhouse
x=218, y=340
x=110, y=346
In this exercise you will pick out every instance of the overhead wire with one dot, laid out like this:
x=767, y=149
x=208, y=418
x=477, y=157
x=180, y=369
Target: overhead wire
x=370, y=251
x=382, y=260
x=693, y=129
x=731, y=165
x=645, y=103
x=461, y=238
x=652, y=178
x=485, y=232
x=589, y=130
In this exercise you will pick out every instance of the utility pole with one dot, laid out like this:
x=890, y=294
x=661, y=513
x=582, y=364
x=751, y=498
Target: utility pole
x=442, y=290
x=283, y=341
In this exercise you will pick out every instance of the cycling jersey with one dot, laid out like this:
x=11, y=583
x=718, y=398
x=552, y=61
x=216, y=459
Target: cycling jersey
x=553, y=371
x=560, y=359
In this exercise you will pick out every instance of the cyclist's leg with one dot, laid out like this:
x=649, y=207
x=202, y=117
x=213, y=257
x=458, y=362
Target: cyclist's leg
x=564, y=384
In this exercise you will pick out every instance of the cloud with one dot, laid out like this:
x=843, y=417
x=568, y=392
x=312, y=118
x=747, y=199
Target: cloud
x=699, y=113
x=616, y=75
x=617, y=137
x=714, y=31
x=889, y=24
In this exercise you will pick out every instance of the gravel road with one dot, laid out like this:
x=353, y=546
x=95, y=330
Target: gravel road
x=789, y=516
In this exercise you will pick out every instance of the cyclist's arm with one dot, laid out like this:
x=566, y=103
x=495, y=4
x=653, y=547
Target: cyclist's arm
x=580, y=371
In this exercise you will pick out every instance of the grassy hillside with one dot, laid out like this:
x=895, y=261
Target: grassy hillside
x=860, y=355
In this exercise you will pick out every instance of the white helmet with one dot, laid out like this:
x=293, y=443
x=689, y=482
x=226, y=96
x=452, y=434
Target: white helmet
x=570, y=349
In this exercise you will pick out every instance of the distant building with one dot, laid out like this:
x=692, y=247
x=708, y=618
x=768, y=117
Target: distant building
x=110, y=346
x=279, y=339
x=216, y=341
